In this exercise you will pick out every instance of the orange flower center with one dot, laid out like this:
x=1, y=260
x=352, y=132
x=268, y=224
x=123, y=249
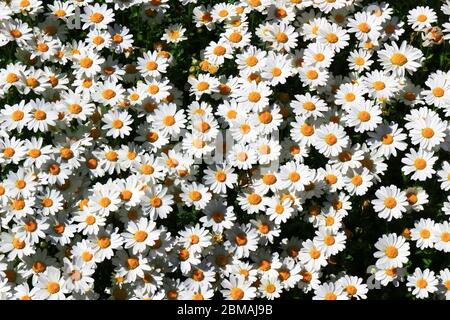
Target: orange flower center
x=391, y=252
x=420, y=163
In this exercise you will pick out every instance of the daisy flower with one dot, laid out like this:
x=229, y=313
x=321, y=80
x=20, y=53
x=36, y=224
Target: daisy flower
x=311, y=256
x=140, y=235
x=242, y=239
x=195, y=195
x=329, y=291
x=254, y=96
x=400, y=60
x=353, y=286
x=423, y=233
x=420, y=163
x=335, y=37
x=237, y=288
x=393, y=251
x=117, y=123
x=174, y=33
x=364, y=116
x=421, y=17
x=390, y=203
x=51, y=285
x=422, y=283
x=330, y=139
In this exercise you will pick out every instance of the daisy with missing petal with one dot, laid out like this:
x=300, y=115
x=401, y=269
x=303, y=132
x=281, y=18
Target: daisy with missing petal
x=400, y=60
x=105, y=242
x=267, y=150
x=393, y=251
x=140, y=235
x=129, y=266
x=295, y=176
x=330, y=291
x=237, y=288
x=89, y=222
x=416, y=197
x=332, y=177
x=282, y=37
x=87, y=62
x=21, y=183
x=244, y=130
x=109, y=93
x=388, y=275
x=203, y=84
x=422, y=283
x=268, y=120
x=217, y=52
x=117, y=123
x=391, y=202
x=276, y=69
x=424, y=233
x=279, y=211
x=152, y=65
x=420, y=163
x=267, y=229
x=317, y=55
x=218, y=216
x=330, y=139
x=303, y=130
x=195, y=238
x=251, y=60
x=50, y=202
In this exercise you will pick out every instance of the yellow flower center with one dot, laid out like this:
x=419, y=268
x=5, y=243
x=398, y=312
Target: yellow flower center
x=399, y=59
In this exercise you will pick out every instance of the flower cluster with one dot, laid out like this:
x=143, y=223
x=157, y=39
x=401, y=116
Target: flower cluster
x=180, y=149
